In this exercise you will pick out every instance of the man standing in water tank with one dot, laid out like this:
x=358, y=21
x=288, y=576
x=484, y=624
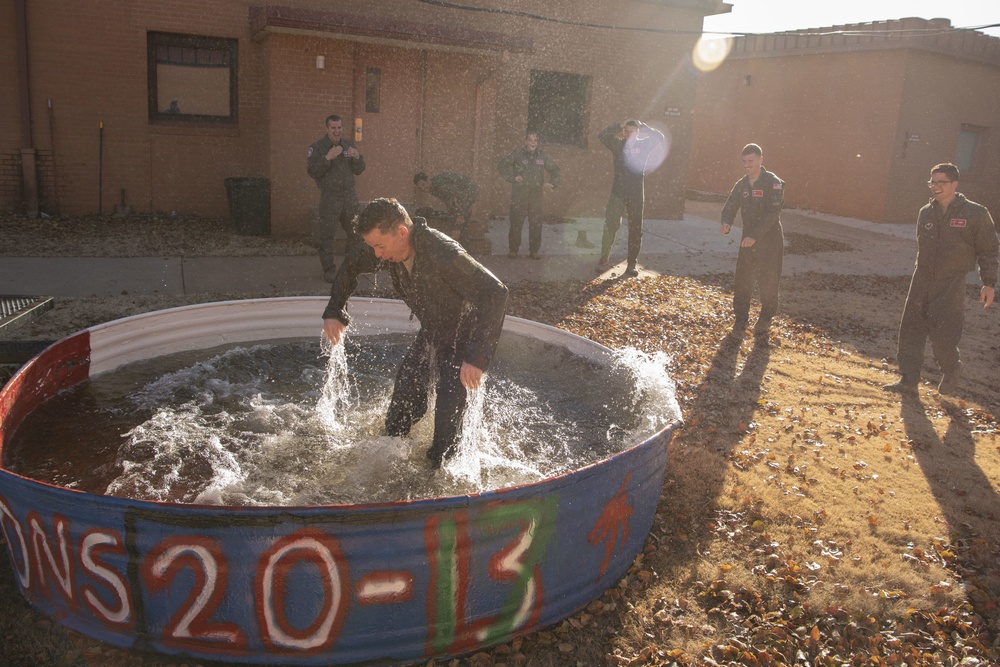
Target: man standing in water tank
x=460, y=306
x=333, y=163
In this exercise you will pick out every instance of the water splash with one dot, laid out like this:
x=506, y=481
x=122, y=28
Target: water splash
x=339, y=396
x=294, y=423
x=653, y=385
x=485, y=458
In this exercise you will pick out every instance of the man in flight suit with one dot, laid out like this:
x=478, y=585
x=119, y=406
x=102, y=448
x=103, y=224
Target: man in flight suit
x=525, y=169
x=953, y=235
x=758, y=197
x=632, y=144
x=457, y=191
x=333, y=163
x=460, y=306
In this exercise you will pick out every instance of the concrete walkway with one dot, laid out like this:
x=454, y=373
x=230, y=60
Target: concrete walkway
x=691, y=246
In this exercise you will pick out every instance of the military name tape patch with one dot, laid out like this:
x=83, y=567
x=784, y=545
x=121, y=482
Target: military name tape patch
x=539, y=161
x=958, y=222
x=758, y=193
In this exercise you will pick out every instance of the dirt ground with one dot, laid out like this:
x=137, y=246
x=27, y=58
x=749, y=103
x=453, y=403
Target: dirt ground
x=807, y=516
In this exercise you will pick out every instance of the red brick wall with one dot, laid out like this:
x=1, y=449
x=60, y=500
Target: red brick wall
x=941, y=93
x=89, y=56
x=300, y=97
x=826, y=124
x=834, y=125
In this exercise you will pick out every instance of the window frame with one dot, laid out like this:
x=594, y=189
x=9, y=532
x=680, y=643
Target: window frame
x=979, y=133
x=373, y=89
x=155, y=39
x=537, y=119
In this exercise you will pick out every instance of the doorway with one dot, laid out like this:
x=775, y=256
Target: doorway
x=387, y=93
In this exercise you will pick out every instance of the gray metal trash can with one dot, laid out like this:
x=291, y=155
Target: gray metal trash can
x=250, y=205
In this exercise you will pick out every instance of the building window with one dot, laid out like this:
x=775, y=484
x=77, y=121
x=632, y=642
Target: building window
x=191, y=78
x=968, y=141
x=373, y=89
x=557, y=104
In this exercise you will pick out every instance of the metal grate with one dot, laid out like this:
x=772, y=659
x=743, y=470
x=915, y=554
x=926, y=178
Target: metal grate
x=18, y=310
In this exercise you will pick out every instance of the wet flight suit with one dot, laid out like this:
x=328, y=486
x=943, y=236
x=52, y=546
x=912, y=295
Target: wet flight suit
x=526, y=196
x=338, y=199
x=759, y=205
x=627, y=193
x=461, y=308
x=949, y=244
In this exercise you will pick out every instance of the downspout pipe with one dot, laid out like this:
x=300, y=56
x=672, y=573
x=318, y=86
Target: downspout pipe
x=29, y=168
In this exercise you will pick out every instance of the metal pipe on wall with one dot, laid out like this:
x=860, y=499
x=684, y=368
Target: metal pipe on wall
x=100, y=170
x=29, y=171
x=52, y=147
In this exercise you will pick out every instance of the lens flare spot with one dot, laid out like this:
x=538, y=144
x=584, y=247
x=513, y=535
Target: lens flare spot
x=646, y=150
x=710, y=52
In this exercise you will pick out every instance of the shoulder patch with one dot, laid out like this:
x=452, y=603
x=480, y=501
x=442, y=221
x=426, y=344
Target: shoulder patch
x=310, y=151
x=777, y=186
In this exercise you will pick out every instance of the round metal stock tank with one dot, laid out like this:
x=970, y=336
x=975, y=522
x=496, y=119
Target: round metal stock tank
x=390, y=583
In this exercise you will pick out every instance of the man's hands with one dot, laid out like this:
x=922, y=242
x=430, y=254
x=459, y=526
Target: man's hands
x=334, y=330
x=471, y=376
x=338, y=149
x=986, y=296
x=746, y=243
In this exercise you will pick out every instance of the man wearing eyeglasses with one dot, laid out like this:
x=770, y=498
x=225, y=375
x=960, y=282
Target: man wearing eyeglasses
x=953, y=235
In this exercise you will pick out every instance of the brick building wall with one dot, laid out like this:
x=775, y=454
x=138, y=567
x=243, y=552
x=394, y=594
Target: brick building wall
x=89, y=58
x=943, y=95
x=853, y=124
x=456, y=88
x=12, y=181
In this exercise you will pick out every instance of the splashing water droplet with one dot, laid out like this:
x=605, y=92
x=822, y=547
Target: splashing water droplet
x=339, y=395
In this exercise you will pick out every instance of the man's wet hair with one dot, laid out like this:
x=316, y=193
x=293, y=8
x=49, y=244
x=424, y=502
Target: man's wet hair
x=752, y=149
x=384, y=214
x=946, y=168
x=332, y=116
x=420, y=176
x=631, y=123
